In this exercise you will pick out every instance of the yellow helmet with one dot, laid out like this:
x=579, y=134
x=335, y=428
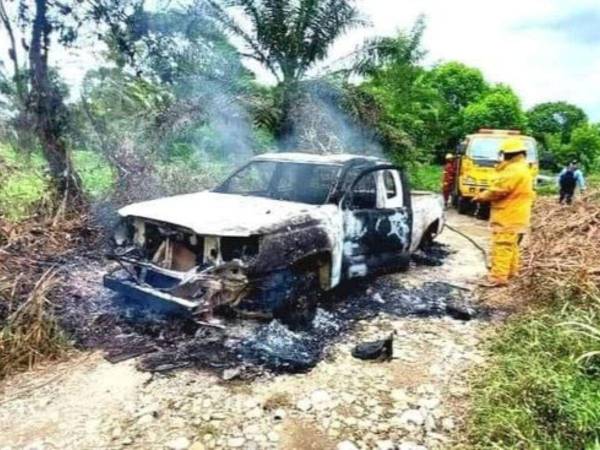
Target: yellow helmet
x=513, y=145
x=449, y=157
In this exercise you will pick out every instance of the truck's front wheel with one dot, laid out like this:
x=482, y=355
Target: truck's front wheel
x=464, y=205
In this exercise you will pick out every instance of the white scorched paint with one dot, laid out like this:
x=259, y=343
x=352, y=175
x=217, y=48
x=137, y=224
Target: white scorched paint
x=214, y=214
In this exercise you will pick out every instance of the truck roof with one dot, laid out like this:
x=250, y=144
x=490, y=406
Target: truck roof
x=310, y=158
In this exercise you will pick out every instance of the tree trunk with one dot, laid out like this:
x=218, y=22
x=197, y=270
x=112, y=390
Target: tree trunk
x=50, y=114
x=285, y=133
x=12, y=53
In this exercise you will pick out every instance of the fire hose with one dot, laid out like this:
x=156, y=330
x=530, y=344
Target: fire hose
x=472, y=241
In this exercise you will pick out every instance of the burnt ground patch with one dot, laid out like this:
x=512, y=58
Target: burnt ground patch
x=166, y=340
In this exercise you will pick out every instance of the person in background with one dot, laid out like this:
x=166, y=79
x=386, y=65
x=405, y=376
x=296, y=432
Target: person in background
x=570, y=178
x=449, y=177
x=511, y=197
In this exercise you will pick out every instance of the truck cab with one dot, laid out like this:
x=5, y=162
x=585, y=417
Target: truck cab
x=477, y=157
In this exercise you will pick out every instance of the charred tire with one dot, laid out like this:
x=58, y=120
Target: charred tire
x=292, y=297
x=298, y=308
x=404, y=263
x=429, y=235
x=464, y=205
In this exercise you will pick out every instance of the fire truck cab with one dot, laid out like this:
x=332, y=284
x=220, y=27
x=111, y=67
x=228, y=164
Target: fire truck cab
x=477, y=157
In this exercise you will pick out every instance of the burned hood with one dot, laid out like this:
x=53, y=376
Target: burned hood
x=215, y=214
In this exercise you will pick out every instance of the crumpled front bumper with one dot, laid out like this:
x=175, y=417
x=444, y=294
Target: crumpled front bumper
x=132, y=289
x=199, y=291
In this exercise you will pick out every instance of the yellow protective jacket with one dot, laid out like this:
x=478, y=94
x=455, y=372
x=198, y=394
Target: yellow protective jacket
x=511, y=196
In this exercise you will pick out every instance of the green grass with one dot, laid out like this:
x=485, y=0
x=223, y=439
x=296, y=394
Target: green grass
x=536, y=394
x=23, y=183
x=426, y=177
x=96, y=175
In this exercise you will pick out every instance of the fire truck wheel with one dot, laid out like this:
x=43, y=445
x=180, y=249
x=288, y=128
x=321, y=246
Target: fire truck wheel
x=464, y=205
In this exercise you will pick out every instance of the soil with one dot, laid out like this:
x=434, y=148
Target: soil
x=413, y=401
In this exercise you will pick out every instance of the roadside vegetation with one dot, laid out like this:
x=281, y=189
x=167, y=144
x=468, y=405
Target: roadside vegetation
x=541, y=386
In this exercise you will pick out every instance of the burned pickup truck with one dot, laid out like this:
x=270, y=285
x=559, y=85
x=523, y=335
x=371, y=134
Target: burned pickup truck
x=281, y=225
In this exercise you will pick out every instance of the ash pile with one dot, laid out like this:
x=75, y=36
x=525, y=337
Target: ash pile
x=244, y=348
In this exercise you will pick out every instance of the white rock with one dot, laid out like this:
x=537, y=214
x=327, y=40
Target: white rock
x=304, y=405
x=254, y=413
x=346, y=445
x=448, y=424
x=348, y=398
x=319, y=397
x=252, y=429
x=273, y=436
x=378, y=298
x=411, y=446
x=429, y=403
x=399, y=395
x=230, y=374
x=385, y=445
x=236, y=442
x=412, y=417
x=181, y=443
x=279, y=414
x=251, y=403
x=430, y=424
x=145, y=419
x=39, y=445
x=127, y=440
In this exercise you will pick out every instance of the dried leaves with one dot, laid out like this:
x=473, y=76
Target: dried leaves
x=562, y=256
x=31, y=254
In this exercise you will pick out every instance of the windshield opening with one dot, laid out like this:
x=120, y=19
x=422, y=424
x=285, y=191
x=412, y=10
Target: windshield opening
x=294, y=182
x=488, y=148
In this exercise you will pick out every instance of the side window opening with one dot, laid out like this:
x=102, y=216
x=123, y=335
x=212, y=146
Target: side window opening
x=391, y=190
x=364, y=194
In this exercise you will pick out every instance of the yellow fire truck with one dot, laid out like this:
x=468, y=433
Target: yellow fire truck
x=477, y=157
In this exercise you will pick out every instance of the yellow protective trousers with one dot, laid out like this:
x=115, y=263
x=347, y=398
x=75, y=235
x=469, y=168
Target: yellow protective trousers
x=505, y=257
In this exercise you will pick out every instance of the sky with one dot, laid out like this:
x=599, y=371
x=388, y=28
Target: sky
x=547, y=50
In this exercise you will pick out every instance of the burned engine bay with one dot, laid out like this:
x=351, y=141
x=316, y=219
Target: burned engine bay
x=204, y=274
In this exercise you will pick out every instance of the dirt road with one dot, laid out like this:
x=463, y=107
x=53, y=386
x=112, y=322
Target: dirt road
x=412, y=402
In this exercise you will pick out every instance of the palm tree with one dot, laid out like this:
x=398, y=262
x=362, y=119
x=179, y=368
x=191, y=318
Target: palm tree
x=288, y=36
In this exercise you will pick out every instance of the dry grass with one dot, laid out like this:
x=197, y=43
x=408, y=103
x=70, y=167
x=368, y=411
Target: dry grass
x=562, y=255
x=30, y=332
x=277, y=400
x=30, y=282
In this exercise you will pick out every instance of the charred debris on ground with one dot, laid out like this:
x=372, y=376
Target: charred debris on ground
x=245, y=348
x=93, y=318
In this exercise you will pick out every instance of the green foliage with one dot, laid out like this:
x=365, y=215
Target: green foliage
x=459, y=86
x=23, y=183
x=555, y=118
x=536, y=394
x=500, y=108
x=289, y=36
x=552, y=124
x=406, y=101
x=584, y=146
x=426, y=177
x=97, y=176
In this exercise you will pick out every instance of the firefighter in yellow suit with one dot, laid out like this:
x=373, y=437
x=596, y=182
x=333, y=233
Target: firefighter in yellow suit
x=511, y=197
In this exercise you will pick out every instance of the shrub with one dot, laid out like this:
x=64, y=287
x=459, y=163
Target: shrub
x=537, y=393
x=427, y=177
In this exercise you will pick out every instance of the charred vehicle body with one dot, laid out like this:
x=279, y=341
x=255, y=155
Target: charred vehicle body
x=281, y=224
